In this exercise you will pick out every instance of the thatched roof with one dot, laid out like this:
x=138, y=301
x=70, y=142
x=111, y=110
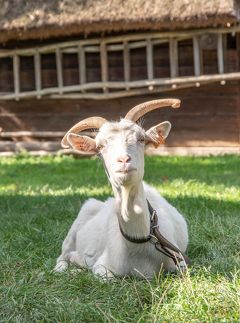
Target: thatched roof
x=34, y=19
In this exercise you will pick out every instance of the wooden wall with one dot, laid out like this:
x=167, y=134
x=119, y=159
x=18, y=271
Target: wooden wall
x=209, y=116
x=138, y=64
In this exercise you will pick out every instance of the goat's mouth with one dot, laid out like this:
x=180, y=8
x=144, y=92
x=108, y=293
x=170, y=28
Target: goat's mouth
x=126, y=171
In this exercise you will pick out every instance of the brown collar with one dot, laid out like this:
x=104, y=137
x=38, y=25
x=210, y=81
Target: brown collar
x=161, y=244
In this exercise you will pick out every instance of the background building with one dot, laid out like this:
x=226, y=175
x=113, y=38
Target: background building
x=61, y=61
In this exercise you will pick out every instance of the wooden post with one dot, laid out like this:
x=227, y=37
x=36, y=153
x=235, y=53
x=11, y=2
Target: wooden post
x=197, y=56
x=16, y=76
x=173, y=52
x=126, y=61
x=104, y=64
x=81, y=65
x=220, y=53
x=37, y=73
x=150, y=59
x=59, y=70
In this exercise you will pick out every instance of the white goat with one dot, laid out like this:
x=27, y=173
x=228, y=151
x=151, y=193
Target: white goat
x=112, y=237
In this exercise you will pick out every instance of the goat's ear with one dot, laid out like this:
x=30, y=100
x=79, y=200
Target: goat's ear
x=157, y=134
x=82, y=144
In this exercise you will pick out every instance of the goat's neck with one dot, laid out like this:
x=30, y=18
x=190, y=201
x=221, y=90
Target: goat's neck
x=132, y=210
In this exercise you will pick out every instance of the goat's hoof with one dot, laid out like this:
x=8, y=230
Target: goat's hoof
x=182, y=266
x=103, y=273
x=75, y=271
x=61, y=266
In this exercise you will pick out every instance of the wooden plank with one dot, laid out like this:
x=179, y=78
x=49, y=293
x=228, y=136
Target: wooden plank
x=18, y=146
x=129, y=37
x=104, y=64
x=126, y=62
x=233, y=58
x=31, y=153
x=38, y=134
x=203, y=131
x=208, y=96
x=220, y=53
x=189, y=81
x=16, y=76
x=173, y=54
x=117, y=47
x=196, y=123
x=81, y=64
x=37, y=73
x=197, y=56
x=150, y=59
x=59, y=70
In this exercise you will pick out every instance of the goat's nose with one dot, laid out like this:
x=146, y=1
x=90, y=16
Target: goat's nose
x=124, y=159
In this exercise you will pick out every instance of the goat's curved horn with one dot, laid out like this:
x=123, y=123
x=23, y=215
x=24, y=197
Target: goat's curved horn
x=139, y=110
x=89, y=123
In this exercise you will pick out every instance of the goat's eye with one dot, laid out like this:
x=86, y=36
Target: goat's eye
x=101, y=146
x=141, y=140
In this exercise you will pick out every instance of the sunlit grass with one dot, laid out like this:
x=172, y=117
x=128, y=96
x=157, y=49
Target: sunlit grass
x=39, y=199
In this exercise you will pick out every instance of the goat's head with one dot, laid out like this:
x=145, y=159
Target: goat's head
x=121, y=144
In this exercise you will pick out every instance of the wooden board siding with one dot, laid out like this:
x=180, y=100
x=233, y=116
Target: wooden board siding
x=48, y=69
x=209, y=116
x=161, y=60
x=115, y=66
x=95, y=69
x=27, y=79
x=185, y=58
x=138, y=64
x=6, y=75
x=70, y=69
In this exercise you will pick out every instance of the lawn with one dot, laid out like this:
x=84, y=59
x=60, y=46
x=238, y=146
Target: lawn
x=40, y=197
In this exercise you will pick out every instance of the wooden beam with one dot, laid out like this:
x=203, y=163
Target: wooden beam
x=220, y=53
x=121, y=94
x=16, y=70
x=37, y=73
x=150, y=59
x=104, y=64
x=197, y=54
x=127, y=38
x=173, y=53
x=126, y=62
x=18, y=146
x=191, y=80
x=38, y=134
x=59, y=70
x=81, y=64
x=115, y=47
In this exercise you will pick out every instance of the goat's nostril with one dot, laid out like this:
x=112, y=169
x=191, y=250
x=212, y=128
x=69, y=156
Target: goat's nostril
x=124, y=159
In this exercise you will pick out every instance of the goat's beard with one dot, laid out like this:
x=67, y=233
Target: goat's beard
x=128, y=179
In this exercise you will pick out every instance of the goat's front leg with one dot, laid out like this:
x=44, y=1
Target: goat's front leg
x=67, y=248
x=101, y=268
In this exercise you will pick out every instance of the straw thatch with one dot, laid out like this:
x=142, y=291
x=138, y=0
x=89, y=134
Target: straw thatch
x=34, y=19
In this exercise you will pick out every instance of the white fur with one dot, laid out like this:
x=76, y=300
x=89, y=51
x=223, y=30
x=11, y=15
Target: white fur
x=94, y=241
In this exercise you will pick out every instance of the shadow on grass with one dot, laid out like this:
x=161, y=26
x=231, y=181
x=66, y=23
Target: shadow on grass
x=209, y=170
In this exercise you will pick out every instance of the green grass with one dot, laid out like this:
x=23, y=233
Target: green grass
x=40, y=197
